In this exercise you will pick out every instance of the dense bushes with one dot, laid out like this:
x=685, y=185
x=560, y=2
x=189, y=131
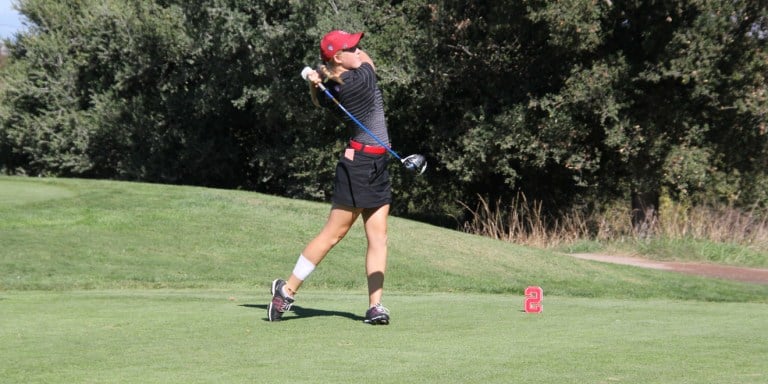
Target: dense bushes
x=573, y=103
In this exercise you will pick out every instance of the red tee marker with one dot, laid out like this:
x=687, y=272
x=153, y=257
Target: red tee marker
x=533, y=297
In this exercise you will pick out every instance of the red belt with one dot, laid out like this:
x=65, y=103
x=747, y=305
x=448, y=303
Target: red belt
x=372, y=149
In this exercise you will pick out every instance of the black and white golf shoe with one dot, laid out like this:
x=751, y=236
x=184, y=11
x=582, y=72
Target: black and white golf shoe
x=280, y=303
x=377, y=314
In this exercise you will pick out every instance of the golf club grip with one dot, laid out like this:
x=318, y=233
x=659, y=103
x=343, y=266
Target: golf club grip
x=305, y=73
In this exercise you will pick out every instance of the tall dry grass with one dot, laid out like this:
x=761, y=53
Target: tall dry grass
x=522, y=221
x=718, y=224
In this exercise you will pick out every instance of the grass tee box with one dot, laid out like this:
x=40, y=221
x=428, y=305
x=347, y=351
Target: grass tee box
x=203, y=336
x=111, y=282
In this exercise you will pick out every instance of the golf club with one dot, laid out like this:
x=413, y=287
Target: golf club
x=415, y=163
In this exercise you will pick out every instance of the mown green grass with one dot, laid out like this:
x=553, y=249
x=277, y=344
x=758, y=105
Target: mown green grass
x=109, y=282
x=205, y=336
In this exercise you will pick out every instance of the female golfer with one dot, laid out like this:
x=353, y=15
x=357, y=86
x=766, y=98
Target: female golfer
x=362, y=185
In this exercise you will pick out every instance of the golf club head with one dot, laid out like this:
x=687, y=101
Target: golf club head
x=415, y=163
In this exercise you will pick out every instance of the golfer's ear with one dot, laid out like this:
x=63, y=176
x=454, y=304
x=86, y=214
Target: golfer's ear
x=336, y=59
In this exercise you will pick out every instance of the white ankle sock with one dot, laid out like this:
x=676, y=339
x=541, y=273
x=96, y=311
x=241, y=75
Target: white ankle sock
x=284, y=291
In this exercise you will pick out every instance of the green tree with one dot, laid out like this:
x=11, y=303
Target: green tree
x=573, y=102
x=579, y=102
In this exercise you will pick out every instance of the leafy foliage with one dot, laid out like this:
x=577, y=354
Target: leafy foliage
x=572, y=103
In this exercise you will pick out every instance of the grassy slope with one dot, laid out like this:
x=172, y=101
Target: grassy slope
x=101, y=235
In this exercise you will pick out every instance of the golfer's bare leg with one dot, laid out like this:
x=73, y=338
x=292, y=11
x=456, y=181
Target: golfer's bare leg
x=339, y=222
x=376, y=255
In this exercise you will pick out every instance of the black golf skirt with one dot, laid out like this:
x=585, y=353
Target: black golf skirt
x=362, y=181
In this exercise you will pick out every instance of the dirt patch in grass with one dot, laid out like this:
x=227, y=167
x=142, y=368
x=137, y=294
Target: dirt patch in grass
x=749, y=275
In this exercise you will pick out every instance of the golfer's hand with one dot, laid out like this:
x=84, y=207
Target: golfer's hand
x=365, y=58
x=314, y=78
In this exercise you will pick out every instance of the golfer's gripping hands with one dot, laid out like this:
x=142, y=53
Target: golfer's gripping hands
x=312, y=76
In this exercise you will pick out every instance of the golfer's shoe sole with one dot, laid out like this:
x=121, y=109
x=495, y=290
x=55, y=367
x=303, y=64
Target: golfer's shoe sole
x=379, y=320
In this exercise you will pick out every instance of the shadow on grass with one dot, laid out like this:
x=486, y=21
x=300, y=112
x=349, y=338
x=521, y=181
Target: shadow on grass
x=305, y=313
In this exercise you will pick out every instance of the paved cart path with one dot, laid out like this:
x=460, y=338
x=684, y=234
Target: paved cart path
x=749, y=275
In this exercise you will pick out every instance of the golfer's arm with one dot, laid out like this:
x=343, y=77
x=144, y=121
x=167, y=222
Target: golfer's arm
x=366, y=59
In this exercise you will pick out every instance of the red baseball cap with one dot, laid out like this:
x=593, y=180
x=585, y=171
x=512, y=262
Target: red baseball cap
x=336, y=40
